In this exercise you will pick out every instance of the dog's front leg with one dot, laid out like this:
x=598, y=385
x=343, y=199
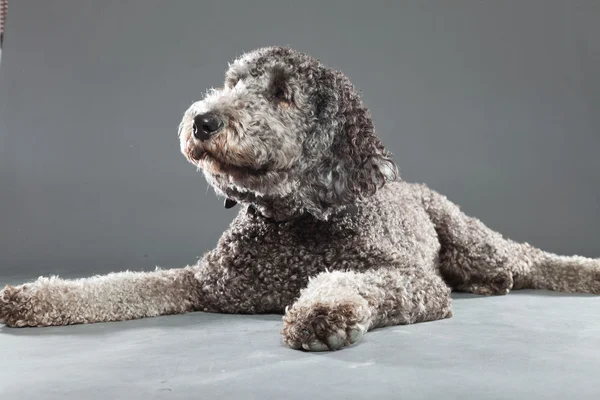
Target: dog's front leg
x=113, y=297
x=337, y=308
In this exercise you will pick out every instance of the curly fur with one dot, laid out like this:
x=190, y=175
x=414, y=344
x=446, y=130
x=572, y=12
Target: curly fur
x=326, y=234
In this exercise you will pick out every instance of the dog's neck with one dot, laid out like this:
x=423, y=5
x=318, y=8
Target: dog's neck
x=281, y=209
x=273, y=208
x=278, y=209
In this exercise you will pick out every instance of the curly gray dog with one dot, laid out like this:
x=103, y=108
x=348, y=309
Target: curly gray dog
x=326, y=234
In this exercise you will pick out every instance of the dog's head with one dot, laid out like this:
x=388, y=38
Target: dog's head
x=286, y=127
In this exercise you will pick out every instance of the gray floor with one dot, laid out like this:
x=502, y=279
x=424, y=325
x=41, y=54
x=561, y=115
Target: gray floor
x=528, y=345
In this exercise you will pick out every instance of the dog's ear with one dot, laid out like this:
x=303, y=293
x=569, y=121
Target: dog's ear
x=353, y=163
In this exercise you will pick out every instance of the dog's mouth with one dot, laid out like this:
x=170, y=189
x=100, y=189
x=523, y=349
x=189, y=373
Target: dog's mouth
x=213, y=164
x=210, y=163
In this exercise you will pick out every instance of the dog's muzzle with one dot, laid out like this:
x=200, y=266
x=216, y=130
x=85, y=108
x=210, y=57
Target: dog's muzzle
x=206, y=126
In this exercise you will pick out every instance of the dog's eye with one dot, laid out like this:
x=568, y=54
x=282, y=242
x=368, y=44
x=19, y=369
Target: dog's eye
x=280, y=97
x=278, y=87
x=279, y=93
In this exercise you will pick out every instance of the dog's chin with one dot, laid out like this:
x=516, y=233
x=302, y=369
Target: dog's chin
x=244, y=184
x=216, y=166
x=211, y=165
x=248, y=181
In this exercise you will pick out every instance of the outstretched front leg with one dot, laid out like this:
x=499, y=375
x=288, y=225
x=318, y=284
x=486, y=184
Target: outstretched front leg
x=113, y=297
x=337, y=308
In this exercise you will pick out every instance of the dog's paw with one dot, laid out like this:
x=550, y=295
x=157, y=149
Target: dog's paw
x=325, y=326
x=16, y=306
x=499, y=284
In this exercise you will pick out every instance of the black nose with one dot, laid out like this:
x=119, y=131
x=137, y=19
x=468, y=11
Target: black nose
x=206, y=125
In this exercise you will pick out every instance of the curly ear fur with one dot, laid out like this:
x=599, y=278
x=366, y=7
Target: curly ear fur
x=355, y=164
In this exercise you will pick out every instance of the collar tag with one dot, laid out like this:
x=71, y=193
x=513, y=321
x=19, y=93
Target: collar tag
x=229, y=203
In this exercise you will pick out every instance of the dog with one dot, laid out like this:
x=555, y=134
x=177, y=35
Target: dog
x=327, y=233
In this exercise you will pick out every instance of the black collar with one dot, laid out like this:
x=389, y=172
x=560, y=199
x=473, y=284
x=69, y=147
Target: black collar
x=350, y=209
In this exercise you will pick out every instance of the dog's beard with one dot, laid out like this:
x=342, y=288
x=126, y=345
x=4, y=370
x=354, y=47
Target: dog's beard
x=242, y=180
x=214, y=164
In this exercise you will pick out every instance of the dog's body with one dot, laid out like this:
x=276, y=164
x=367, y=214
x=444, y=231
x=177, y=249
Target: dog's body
x=326, y=233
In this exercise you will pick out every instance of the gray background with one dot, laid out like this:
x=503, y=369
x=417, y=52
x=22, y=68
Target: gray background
x=493, y=103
